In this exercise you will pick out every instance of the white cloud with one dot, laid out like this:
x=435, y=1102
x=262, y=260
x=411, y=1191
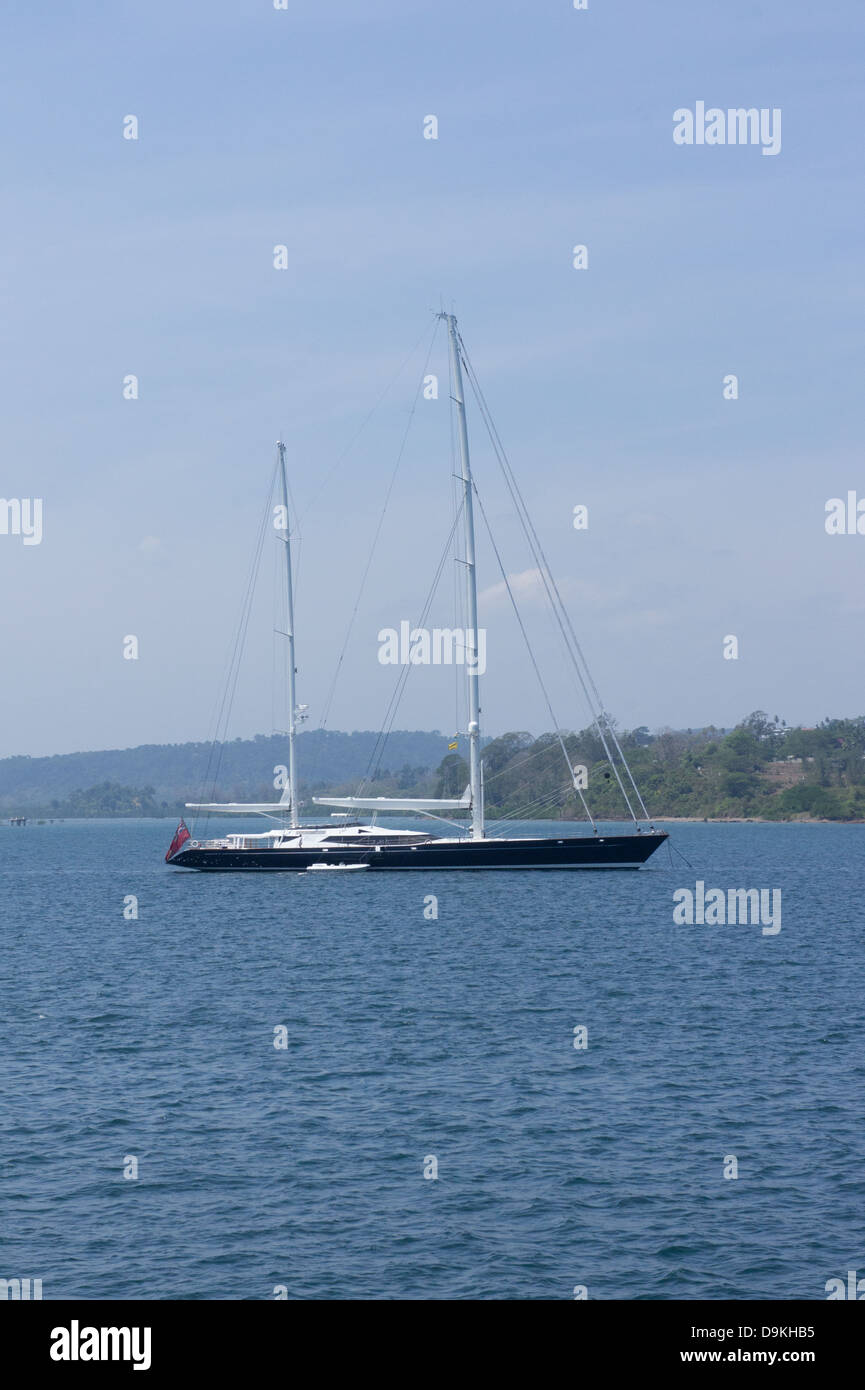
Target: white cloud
x=525, y=586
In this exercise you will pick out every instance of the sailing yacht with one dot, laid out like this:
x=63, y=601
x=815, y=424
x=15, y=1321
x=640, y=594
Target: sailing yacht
x=351, y=843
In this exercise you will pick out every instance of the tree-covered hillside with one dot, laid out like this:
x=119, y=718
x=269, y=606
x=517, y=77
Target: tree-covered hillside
x=178, y=771
x=761, y=769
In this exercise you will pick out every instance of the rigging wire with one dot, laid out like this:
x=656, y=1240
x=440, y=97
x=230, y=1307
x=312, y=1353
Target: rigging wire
x=514, y=767
x=375, y=539
x=521, y=815
x=458, y=588
x=548, y=797
x=226, y=703
x=522, y=626
x=600, y=718
x=393, y=705
x=363, y=424
x=546, y=578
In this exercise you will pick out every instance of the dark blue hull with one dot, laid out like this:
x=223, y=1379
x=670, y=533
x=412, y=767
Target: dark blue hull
x=574, y=852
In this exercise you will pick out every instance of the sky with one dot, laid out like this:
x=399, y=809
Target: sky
x=303, y=127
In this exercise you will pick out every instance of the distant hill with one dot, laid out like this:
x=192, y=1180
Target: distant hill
x=760, y=770
x=174, y=772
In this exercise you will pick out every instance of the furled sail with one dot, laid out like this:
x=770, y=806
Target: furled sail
x=271, y=808
x=253, y=808
x=397, y=803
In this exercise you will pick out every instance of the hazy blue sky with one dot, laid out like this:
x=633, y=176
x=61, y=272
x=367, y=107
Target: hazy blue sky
x=305, y=127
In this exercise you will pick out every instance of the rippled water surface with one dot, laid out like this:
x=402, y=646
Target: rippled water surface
x=409, y=1038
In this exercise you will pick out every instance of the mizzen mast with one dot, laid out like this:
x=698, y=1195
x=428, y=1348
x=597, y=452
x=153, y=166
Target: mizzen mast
x=285, y=537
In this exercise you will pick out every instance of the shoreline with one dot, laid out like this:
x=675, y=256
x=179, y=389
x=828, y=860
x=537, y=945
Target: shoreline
x=7, y=823
x=752, y=820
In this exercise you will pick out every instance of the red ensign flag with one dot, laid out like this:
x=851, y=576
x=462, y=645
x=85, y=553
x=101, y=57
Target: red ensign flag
x=181, y=835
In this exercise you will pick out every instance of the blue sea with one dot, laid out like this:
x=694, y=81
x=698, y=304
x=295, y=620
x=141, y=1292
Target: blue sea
x=298, y=1171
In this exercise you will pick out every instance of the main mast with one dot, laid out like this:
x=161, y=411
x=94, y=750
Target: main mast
x=474, y=729
x=292, y=673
